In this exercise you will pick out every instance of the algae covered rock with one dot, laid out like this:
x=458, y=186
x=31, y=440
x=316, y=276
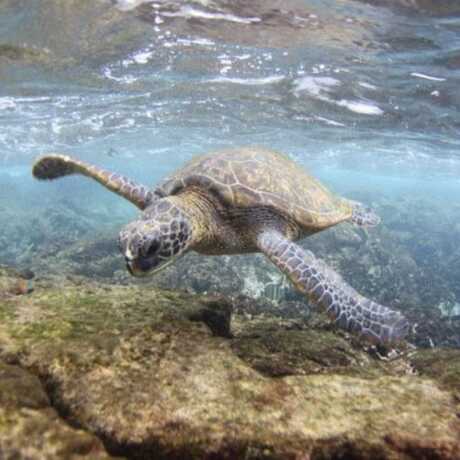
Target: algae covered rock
x=275, y=351
x=443, y=364
x=31, y=429
x=157, y=374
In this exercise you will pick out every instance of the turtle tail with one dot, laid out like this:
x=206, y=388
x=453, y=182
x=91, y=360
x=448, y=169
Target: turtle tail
x=362, y=215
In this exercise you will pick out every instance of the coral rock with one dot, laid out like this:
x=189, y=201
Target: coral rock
x=154, y=373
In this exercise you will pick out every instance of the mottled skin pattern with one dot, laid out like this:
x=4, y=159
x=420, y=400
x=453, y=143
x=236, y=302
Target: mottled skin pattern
x=362, y=215
x=155, y=240
x=327, y=289
x=54, y=165
x=238, y=201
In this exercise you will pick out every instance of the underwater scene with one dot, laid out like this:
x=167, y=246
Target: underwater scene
x=230, y=230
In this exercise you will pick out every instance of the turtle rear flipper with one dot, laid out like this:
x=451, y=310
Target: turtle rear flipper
x=328, y=290
x=53, y=166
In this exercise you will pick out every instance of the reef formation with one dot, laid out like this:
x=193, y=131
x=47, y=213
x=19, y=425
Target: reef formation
x=96, y=370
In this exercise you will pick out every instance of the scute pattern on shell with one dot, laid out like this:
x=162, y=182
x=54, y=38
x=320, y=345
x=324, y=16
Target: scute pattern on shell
x=254, y=176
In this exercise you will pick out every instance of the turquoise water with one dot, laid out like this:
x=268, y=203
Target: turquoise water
x=364, y=95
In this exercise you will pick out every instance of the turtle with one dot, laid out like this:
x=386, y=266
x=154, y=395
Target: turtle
x=243, y=200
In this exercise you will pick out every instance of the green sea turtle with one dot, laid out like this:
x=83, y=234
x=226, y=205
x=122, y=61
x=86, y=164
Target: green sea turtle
x=240, y=201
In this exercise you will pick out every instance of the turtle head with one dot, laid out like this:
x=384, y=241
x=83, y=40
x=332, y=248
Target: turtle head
x=158, y=238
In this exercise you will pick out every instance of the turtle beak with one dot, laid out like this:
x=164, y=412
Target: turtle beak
x=140, y=269
x=135, y=268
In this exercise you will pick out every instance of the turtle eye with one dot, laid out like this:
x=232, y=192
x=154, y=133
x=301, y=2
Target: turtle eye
x=152, y=250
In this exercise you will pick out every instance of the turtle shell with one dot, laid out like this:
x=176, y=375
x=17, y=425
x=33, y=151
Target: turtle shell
x=257, y=177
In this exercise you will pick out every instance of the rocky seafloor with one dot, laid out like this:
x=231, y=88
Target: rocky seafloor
x=220, y=357
x=96, y=370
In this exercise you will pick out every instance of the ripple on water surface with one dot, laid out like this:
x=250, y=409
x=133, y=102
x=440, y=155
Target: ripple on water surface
x=321, y=77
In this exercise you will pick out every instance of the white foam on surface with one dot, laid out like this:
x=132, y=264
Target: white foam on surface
x=142, y=57
x=249, y=81
x=321, y=87
x=188, y=11
x=127, y=79
x=363, y=84
x=195, y=41
x=315, y=86
x=427, y=77
x=7, y=103
x=329, y=122
x=128, y=5
x=364, y=108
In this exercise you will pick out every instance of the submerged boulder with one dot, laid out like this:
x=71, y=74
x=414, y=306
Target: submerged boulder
x=31, y=429
x=159, y=373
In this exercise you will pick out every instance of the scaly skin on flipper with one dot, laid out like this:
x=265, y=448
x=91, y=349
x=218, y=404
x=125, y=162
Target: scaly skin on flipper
x=54, y=166
x=328, y=290
x=363, y=216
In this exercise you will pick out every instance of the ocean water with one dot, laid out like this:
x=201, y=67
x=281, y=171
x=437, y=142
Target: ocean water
x=364, y=94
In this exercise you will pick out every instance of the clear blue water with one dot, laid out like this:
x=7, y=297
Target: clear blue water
x=364, y=95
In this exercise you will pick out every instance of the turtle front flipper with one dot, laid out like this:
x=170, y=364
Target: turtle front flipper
x=328, y=290
x=54, y=166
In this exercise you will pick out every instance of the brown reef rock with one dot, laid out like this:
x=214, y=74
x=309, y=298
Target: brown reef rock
x=165, y=375
x=31, y=429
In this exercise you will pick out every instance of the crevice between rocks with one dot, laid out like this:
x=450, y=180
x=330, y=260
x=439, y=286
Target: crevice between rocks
x=152, y=450
x=326, y=449
x=330, y=449
x=51, y=388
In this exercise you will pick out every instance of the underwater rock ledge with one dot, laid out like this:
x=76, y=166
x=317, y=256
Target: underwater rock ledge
x=165, y=374
x=31, y=429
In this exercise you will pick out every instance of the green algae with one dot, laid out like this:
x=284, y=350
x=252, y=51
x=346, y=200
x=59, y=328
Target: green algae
x=442, y=364
x=159, y=373
x=275, y=351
